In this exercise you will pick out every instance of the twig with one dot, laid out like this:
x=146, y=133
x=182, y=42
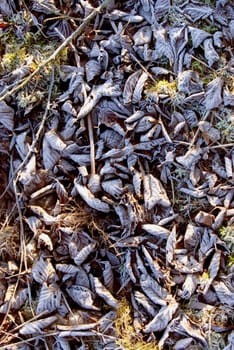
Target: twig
x=52, y=57
x=92, y=148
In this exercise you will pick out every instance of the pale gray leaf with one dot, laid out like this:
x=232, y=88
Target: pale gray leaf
x=153, y=290
x=209, y=133
x=170, y=246
x=91, y=200
x=191, y=329
x=92, y=69
x=45, y=6
x=145, y=302
x=189, y=286
x=198, y=36
x=49, y=298
x=36, y=327
x=197, y=12
x=43, y=270
x=6, y=116
x=163, y=46
x=163, y=317
x=82, y=296
x=144, y=124
x=143, y=36
x=189, y=82
x=210, y=53
x=153, y=265
x=49, y=155
x=156, y=230
x=130, y=85
x=154, y=193
x=67, y=268
x=191, y=237
x=225, y=294
x=183, y=344
x=61, y=344
x=213, y=93
x=139, y=87
x=113, y=187
x=84, y=253
x=104, y=293
x=190, y=158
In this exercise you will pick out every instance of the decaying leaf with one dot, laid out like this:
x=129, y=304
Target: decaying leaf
x=6, y=116
x=91, y=200
x=37, y=327
x=163, y=317
x=103, y=292
x=82, y=296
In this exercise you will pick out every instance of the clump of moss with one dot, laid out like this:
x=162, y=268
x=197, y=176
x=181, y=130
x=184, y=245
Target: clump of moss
x=13, y=59
x=227, y=235
x=163, y=87
x=127, y=338
x=9, y=243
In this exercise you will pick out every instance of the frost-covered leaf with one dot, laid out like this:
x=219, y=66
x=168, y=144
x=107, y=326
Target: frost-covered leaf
x=213, y=94
x=47, y=218
x=114, y=187
x=161, y=7
x=153, y=290
x=156, y=230
x=225, y=294
x=198, y=36
x=210, y=53
x=49, y=298
x=189, y=286
x=50, y=156
x=208, y=131
x=190, y=157
x=163, y=317
x=82, y=296
x=83, y=254
x=163, y=46
x=104, y=293
x=7, y=116
x=54, y=141
x=36, y=327
x=154, y=192
x=108, y=89
x=170, y=246
x=130, y=85
x=136, y=97
x=91, y=200
x=43, y=270
x=143, y=36
x=92, y=69
x=14, y=300
x=198, y=12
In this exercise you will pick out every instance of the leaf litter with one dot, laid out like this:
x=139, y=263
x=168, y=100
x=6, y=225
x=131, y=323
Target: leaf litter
x=117, y=159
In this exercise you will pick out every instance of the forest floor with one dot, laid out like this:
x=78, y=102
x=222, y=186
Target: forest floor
x=116, y=165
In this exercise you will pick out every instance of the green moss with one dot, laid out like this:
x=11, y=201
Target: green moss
x=163, y=87
x=227, y=235
x=226, y=128
x=127, y=338
x=209, y=28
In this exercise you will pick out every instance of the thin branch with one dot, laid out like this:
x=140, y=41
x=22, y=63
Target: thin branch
x=67, y=41
x=92, y=147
